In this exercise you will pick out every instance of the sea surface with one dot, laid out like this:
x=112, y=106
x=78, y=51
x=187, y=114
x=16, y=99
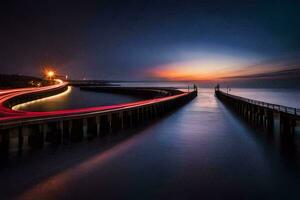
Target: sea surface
x=200, y=151
x=76, y=98
x=285, y=97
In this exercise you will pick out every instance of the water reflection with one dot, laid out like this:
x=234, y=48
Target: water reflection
x=53, y=186
x=202, y=150
x=45, y=100
x=288, y=146
x=287, y=97
x=76, y=98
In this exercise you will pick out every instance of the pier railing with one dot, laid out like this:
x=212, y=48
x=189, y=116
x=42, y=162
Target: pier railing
x=261, y=114
x=275, y=107
x=65, y=126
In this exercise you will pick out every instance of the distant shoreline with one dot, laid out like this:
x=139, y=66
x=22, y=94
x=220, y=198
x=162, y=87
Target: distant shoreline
x=9, y=81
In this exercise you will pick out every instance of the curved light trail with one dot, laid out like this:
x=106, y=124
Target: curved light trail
x=11, y=115
x=6, y=95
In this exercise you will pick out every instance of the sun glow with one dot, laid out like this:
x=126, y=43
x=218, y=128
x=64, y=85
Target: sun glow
x=193, y=71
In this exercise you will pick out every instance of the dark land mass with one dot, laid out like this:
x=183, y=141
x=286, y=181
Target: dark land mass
x=19, y=81
x=83, y=83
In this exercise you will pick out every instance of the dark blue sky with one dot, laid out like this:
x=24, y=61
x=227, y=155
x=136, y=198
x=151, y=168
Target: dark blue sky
x=137, y=40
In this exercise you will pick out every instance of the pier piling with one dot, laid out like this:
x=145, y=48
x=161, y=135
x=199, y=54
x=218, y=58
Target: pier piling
x=64, y=129
x=261, y=114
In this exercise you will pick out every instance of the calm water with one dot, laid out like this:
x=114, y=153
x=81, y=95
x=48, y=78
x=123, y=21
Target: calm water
x=199, y=151
x=77, y=98
x=287, y=97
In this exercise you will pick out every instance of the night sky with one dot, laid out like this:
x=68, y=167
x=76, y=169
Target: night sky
x=250, y=43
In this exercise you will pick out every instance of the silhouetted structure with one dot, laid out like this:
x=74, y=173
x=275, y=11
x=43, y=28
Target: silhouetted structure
x=262, y=114
x=77, y=125
x=20, y=81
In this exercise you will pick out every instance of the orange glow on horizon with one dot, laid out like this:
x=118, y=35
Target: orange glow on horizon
x=181, y=75
x=208, y=70
x=191, y=72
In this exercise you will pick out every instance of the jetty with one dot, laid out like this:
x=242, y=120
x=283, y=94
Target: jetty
x=262, y=114
x=36, y=129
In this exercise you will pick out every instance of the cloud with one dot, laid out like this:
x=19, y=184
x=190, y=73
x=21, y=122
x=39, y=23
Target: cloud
x=276, y=74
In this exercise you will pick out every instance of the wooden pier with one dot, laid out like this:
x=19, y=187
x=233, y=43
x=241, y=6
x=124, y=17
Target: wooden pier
x=35, y=130
x=262, y=114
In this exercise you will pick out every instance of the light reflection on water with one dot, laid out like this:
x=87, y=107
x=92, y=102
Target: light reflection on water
x=286, y=97
x=77, y=98
x=42, y=100
x=156, y=84
x=200, y=151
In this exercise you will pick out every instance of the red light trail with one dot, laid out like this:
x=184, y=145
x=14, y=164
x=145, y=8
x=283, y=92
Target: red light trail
x=7, y=114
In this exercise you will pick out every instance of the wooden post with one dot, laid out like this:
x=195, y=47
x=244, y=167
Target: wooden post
x=98, y=125
x=138, y=115
x=67, y=128
x=44, y=130
x=77, y=130
x=4, y=143
x=85, y=127
x=122, y=120
x=109, y=118
x=37, y=135
x=270, y=120
x=61, y=131
x=287, y=125
x=20, y=140
x=130, y=117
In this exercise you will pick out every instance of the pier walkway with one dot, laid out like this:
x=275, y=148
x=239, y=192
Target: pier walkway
x=261, y=113
x=63, y=126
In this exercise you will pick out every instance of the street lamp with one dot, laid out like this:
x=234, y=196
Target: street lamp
x=50, y=74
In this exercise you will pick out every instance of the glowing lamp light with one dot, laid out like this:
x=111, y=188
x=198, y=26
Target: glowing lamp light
x=50, y=74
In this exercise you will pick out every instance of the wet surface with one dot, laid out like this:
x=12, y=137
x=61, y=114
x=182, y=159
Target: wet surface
x=77, y=98
x=201, y=150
